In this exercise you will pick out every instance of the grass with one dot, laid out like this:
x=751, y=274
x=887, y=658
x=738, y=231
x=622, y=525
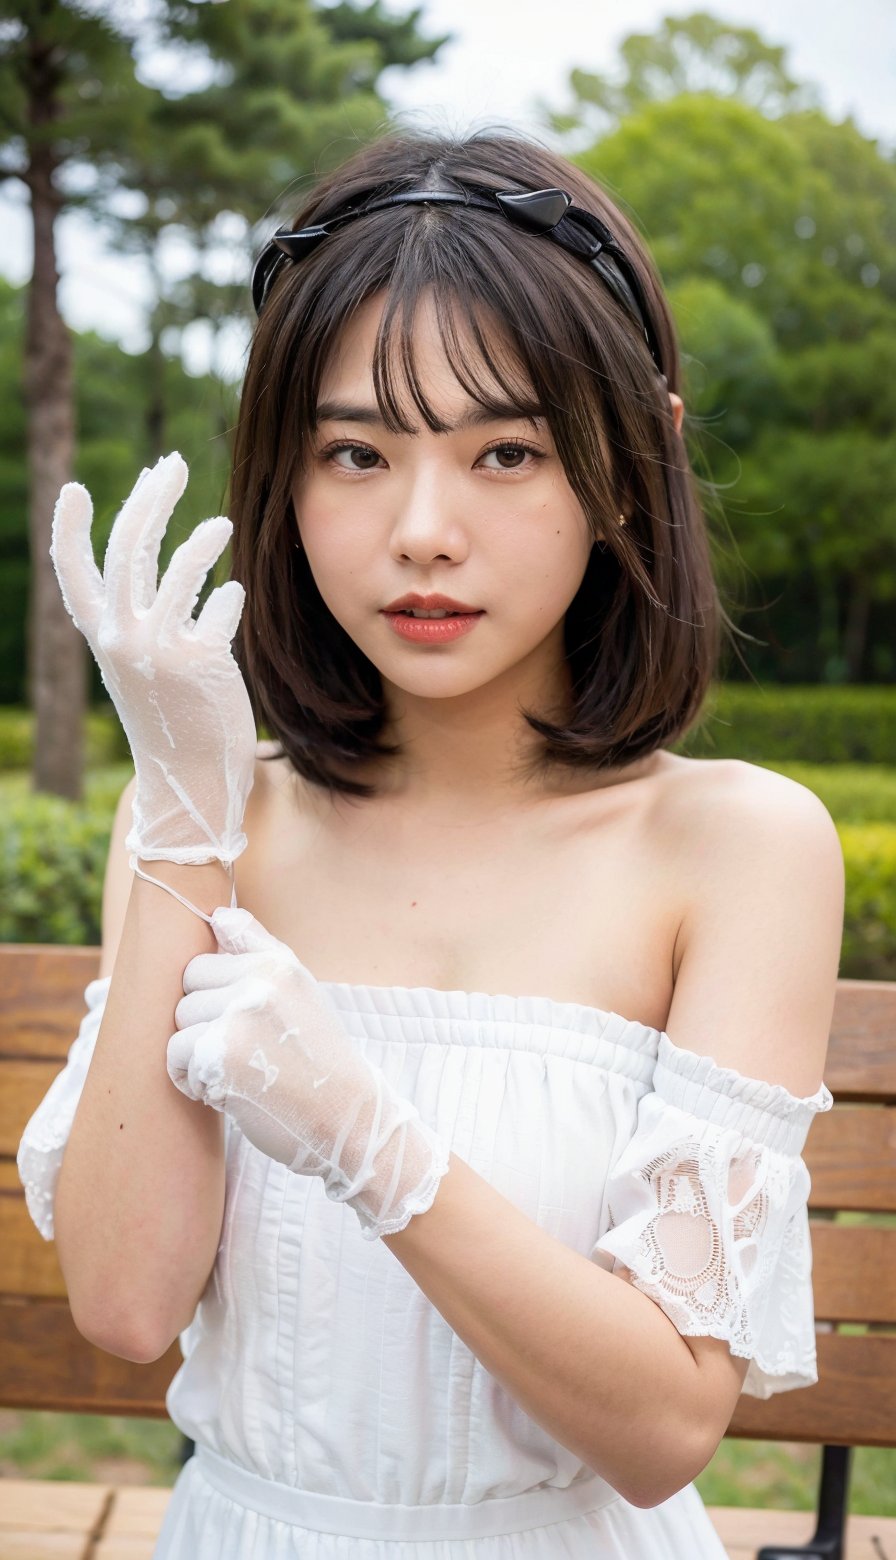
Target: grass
x=91, y=1447
x=97, y=1448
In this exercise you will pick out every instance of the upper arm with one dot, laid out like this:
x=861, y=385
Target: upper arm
x=760, y=940
x=759, y=958
x=117, y=881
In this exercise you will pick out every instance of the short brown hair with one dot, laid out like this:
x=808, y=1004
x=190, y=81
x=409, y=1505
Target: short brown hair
x=642, y=634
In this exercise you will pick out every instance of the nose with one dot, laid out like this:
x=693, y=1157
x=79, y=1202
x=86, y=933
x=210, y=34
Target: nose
x=428, y=519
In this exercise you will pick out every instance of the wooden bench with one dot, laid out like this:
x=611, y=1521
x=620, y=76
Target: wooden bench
x=45, y=1363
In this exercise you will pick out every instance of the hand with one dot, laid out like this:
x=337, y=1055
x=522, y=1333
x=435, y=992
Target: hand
x=257, y=1039
x=179, y=693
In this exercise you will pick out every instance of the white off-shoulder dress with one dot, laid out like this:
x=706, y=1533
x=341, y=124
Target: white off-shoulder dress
x=337, y=1416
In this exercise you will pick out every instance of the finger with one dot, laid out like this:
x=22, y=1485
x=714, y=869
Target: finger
x=207, y=970
x=180, y=1051
x=217, y=622
x=238, y=931
x=202, y=1007
x=71, y=551
x=131, y=567
x=185, y=575
x=194, y=1064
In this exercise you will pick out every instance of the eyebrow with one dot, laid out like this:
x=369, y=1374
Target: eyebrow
x=476, y=417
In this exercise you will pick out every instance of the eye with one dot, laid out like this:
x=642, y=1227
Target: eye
x=328, y=455
x=512, y=446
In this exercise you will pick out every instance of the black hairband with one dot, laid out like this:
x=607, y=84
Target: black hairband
x=547, y=211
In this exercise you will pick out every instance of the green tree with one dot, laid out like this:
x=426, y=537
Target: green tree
x=69, y=99
x=284, y=92
x=109, y=414
x=685, y=54
x=776, y=239
x=290, y=87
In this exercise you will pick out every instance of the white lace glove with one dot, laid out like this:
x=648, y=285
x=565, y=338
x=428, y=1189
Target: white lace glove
x=179, y=693
x=256, y=1039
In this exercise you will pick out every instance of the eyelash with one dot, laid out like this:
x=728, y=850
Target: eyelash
x=501, y=444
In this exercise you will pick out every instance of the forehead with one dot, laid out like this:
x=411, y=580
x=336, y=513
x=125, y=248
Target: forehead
x=443, y=358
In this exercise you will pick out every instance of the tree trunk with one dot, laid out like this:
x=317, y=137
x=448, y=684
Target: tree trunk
x=57, y=675
x=830, y=656
x=156, y=420
x=856, y=631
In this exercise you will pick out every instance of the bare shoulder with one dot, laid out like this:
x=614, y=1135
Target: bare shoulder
x=723, y=809
x=734, y=833
x=762, y=887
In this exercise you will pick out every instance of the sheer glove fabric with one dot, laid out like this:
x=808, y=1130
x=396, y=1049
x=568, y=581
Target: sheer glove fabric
x=179, y=693
x=257, y=1039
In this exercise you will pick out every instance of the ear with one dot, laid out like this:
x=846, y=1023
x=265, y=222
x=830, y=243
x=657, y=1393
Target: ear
x=677, y=410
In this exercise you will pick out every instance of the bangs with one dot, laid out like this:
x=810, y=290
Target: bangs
x=509, y=335
x=498, y=381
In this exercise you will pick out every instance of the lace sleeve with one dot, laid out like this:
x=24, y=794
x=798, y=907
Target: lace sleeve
x=42, y=1146
x=708, y=1209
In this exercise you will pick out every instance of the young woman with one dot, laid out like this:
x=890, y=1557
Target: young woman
x=466, y=946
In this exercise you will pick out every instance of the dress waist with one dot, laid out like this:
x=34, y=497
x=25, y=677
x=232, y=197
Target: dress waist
x=371, y=1519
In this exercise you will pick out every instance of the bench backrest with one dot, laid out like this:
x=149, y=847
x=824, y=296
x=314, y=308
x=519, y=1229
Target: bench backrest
x=850, y=1154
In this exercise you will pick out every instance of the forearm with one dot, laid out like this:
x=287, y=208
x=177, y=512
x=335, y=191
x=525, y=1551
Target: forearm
x=140, y=1197
x=590, y=1358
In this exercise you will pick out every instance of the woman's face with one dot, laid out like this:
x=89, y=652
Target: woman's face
x=483, y=514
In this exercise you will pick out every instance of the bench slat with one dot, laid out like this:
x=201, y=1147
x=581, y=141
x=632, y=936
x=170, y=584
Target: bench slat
x=43, y=1519
x=850, y=1155
x=861, y=1061
x=23, y=1085
x=853, y=1272
x=46, y=1363
x=743, y=1530
x=852, y=1403
x=29, y=1267
x=46, y=1519
x=43, y=997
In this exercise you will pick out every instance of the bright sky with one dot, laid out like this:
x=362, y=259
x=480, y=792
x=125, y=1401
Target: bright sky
x=508, y=55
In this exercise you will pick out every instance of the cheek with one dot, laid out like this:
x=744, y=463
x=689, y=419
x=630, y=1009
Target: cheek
x=338, y=546
x=545, y=558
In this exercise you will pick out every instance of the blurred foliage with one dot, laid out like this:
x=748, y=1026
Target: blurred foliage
x=232, y=108
x=774, y=230
x=109, y=403
x=814, y=724
x=696, y=53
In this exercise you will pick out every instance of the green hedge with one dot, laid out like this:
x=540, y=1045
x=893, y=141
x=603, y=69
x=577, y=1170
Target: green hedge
x=816, y=725
x=869, y=933
x=53, y=859
x=53, y=856
x=104, y=739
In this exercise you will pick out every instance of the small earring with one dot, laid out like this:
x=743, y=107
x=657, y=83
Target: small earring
x=622, y=518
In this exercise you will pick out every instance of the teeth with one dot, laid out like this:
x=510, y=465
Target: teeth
x=412, y=612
